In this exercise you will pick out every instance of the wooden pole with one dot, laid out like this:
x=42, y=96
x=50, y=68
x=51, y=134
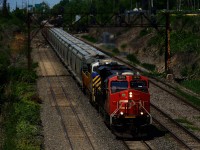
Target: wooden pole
x=167, y=52
x=29, y=42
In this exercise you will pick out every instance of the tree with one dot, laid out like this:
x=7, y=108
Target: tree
x=5, y=9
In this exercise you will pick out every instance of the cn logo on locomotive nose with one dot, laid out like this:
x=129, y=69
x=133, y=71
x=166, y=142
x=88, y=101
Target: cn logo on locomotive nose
x=123, y=95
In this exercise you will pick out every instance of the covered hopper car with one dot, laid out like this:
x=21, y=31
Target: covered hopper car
x=119, y=93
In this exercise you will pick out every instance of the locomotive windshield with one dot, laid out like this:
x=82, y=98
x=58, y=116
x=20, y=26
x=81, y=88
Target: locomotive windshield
x=139, y=85
x=117, y=86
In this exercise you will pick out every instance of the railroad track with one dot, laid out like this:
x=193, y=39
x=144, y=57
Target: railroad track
x=72, y=126
x=142, y=145
x=180, y=133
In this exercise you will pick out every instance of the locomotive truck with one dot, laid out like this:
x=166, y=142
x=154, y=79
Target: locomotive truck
x=119, y=93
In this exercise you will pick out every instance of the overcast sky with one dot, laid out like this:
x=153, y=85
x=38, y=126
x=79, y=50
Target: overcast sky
x=31, y=2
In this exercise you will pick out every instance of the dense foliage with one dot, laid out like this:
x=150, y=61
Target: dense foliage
x=21, y=121
x=19, y=107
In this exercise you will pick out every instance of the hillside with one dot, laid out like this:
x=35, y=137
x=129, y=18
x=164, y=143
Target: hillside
x=148, y=46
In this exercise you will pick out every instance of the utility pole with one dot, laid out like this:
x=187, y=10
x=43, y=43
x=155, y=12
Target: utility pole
x=167, y=41
x=167, y=4
x=5, y=9
x=152, y=3
x=131, y=4
x=29, y=41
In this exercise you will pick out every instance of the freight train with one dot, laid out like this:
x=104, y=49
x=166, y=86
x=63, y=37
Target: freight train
x=119, y=93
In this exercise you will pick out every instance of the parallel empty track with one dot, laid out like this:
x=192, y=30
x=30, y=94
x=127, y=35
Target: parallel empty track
x=73, y=128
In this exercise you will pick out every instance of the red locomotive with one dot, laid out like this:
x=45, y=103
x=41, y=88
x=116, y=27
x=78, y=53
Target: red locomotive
x=121, y=95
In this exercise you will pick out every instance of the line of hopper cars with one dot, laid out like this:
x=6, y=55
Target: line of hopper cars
x=119, y=93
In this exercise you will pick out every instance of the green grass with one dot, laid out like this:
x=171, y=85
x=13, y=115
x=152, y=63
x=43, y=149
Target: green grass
x=184, y=121
x=150, y=67
x=187, y=124
x=193, y=100
x=193, y=85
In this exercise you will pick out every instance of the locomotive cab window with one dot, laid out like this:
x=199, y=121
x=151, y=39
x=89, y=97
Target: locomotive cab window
x=117, y=86
x=139, y=85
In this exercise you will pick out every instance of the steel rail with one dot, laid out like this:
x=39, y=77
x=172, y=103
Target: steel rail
x=172, y=134
x=147, y=145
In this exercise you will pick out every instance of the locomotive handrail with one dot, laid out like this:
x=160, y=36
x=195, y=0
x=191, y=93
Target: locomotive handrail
x=87, y=73
x=146, y=112
x=111, y=116
x=120, y=106
x=132, y=103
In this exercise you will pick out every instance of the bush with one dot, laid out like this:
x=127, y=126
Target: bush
x=115, y=50
x=123, y=46
x=89, y=38
x=22, y=74
x=182, y=41
x=149, y=66
x=22, y=112
x=25, y=136
x=144, y=32
x=31, y=109
x=132, y=58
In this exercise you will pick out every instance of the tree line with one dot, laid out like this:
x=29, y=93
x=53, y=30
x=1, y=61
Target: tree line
x=5, y=8
x=94, y=6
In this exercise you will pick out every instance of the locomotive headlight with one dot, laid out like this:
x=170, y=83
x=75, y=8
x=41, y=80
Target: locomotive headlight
x=121, y=113
x=141, y=113
x=130, y=94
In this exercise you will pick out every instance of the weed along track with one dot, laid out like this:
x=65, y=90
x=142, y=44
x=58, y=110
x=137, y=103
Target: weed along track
x=181, y=134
